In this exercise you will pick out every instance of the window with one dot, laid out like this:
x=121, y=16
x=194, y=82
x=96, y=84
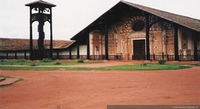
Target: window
x=138, y=26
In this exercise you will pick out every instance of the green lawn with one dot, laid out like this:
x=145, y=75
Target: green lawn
x=33, y=65
x=2, y=76
x=136, y=67
x=27, y=68
x=39, y=63
x=56, y=65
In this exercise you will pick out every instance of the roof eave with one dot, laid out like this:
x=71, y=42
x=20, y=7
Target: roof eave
x=153, y=12
x=163, y=17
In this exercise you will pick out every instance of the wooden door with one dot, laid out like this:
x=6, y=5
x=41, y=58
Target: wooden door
x=139, y=49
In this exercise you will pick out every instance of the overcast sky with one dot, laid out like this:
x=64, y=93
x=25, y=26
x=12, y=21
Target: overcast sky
x=71, y=16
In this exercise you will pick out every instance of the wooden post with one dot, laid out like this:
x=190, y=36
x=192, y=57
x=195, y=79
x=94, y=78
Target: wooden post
x=70, y=53
x=58, y=54
x=24, y=54
x=6, y=54
x=147, y=37
x=195, y=37
x=78, y=52
x=51, y=35
x=88, y=47
x=106, y=42
x=31, y=37
x=15, y=54
x=176, y=42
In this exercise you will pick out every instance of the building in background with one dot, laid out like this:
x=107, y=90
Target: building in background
x=19, y=49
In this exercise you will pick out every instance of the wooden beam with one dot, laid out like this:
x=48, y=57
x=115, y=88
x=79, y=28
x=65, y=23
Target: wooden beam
x=147, y=37
x=106, y=41
x=51, y=35
x=31, y=37
x=176, y=42
x=88, y=46
x=6, y=54
x=24, y=54
x=78, y=49
x=15, y=54
x=70, y=53
x=57, y=54
x=195, y=37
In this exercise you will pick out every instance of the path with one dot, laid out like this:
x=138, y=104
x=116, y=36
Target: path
x=97, y=89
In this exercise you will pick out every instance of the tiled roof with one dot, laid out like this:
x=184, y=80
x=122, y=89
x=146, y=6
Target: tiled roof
x=188, y=22
x=118, y=11
x=23, y=44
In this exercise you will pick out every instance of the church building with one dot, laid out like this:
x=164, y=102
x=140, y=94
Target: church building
x=130, y=31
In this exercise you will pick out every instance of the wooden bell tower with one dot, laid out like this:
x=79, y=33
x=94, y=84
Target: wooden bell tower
x=40, y=11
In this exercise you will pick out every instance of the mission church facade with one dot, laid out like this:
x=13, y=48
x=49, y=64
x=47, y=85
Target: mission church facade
x=133, y=32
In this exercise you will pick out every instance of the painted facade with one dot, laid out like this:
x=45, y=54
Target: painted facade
x=125, y=35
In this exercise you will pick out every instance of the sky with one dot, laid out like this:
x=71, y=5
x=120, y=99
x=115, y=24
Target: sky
x=71, y=16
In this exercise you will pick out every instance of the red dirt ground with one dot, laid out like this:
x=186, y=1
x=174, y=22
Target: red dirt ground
x=97, y=89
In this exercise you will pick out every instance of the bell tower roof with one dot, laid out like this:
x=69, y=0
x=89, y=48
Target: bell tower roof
x=40, y=3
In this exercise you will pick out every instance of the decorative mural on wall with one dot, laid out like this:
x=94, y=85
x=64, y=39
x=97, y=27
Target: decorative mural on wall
x=170, y=42
x=122, y=33
x=131, y=28
x=136, y=23
x=112, y=46
x=184, y=41
x=97, y=42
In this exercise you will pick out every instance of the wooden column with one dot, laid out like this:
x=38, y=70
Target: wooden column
x=51, y=35
x=106, y=42
x=15, y=54
x=70, y=53
x=195, y=38
x=88, y=47
x=78, y=52
x=147, y=37
x=176, y=42
x=31, y=37
x=57, y=54
x=24, y=54
x=6, y=54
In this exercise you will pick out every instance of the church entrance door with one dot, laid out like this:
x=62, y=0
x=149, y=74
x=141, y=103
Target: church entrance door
x=138, y=49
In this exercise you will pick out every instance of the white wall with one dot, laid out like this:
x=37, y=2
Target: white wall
x=83, y=49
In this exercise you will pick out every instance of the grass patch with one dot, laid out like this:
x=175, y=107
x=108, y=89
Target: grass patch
x=44, y=62
x=185, y=66
x=147, y=67
x=2, y=76
x=56, y=65
x=81, y=68
x=27, y=68
x=80, y=61
x=135, y=67
x=198, y=65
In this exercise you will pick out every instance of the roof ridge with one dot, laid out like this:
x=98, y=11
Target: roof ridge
x=33, y=39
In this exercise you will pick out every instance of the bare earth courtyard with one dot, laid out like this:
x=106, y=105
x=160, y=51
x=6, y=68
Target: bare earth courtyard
x=97, y=89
